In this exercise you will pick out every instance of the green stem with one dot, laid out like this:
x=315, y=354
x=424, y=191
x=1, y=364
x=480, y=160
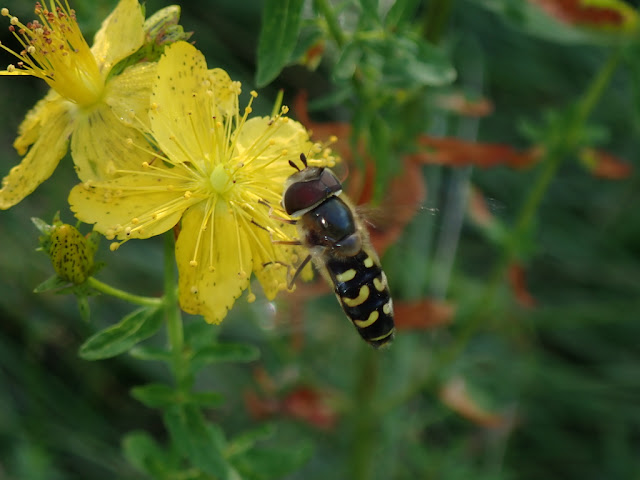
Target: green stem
x=361, y=453
x=556, y=153
x=332, y=22
x=438, y=13
x=175, y=331
x=121, y=294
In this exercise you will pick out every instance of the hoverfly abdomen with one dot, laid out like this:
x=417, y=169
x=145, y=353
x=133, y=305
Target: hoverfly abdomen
x=340, y=248
x=361, y=287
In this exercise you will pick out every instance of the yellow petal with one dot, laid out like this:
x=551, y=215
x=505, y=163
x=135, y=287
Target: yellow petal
x=36, y=119
x=121, y=34
x=43, y=156
x=283, y=135
x=181, y=119
x=134, y=206
x=226, y=91
x=102, y=145
x=223, y=262
x=129, y=93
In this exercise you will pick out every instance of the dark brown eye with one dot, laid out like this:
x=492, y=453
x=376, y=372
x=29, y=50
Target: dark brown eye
x=306, y=194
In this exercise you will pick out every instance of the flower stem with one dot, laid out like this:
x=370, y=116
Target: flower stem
x=556, y=153
x=175, y=331
x=438, y=13
x=363, y=444
x=332, y=22
x=121, y=294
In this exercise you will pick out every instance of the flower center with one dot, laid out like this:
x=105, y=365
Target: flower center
x=220, y=180
x=55, y=51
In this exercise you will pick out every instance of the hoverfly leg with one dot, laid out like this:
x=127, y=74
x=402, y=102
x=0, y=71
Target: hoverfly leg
x=293, y=279
x=286, y=242
x=275, y=216
x=276, y=242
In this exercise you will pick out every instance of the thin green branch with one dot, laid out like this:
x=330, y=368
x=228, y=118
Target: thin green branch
x=175, y=330
x=121, y=294
x=333, y=25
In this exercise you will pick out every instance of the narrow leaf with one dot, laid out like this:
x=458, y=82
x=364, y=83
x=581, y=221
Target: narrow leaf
x=116, y=339
x=142, y=451
x=224, y=352
x=266, y=464
x=156, y=395
x=278, y=37
x=201, y=443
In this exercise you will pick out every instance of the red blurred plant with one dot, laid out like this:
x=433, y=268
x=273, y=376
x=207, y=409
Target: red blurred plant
x=613, y=13
x=304, y=403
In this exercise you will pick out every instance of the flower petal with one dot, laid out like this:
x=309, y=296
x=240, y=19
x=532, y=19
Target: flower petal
x=130, y=92
x=135, y=206
x=44, y=155
x=226, y=91
x=121, y=34
x=224, y=261
x=102, y=145
x=269, y=139
x=181, y=118
x=36, y=119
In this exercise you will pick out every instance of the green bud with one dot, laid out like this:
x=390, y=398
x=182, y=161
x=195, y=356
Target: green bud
x=71, y=253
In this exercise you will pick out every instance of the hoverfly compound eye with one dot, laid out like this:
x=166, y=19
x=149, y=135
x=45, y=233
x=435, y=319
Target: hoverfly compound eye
x=309, y=188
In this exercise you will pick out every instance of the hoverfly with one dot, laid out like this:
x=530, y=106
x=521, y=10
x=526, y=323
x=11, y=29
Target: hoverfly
x=339, y=245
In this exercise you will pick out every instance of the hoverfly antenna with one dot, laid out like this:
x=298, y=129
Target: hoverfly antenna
x=293, y=165
x=303, y=159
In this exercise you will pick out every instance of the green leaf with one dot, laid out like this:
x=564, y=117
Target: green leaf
x=245, y=441
x=156, y=395
x=205, y=399
x=142, y=451
x=349, y=59
x=401, y=10
x=224, y=353
x=159, y=395
x=278, y=37
x=272, y=463
x=51, y=283
x=410, y=64
x=200, y=442
x=116, y=339
x=143, y=352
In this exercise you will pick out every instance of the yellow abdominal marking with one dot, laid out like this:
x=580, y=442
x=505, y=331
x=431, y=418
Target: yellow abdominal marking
x=370, y=321
x=359, y=300
x=346, y=276
x=368, y=262
x=387, y=308
x=390, y=332
x=380, y=283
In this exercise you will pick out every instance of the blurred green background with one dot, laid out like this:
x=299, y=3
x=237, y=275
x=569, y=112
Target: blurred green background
x=566, y=372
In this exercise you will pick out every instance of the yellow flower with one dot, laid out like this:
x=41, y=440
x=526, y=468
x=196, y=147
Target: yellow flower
x=85, y=103
x=220, y=174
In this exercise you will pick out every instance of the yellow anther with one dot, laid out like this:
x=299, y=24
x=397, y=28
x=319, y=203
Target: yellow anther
x=114, y=246
x=193, y=263
x=253, y=93
x=4, y=12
